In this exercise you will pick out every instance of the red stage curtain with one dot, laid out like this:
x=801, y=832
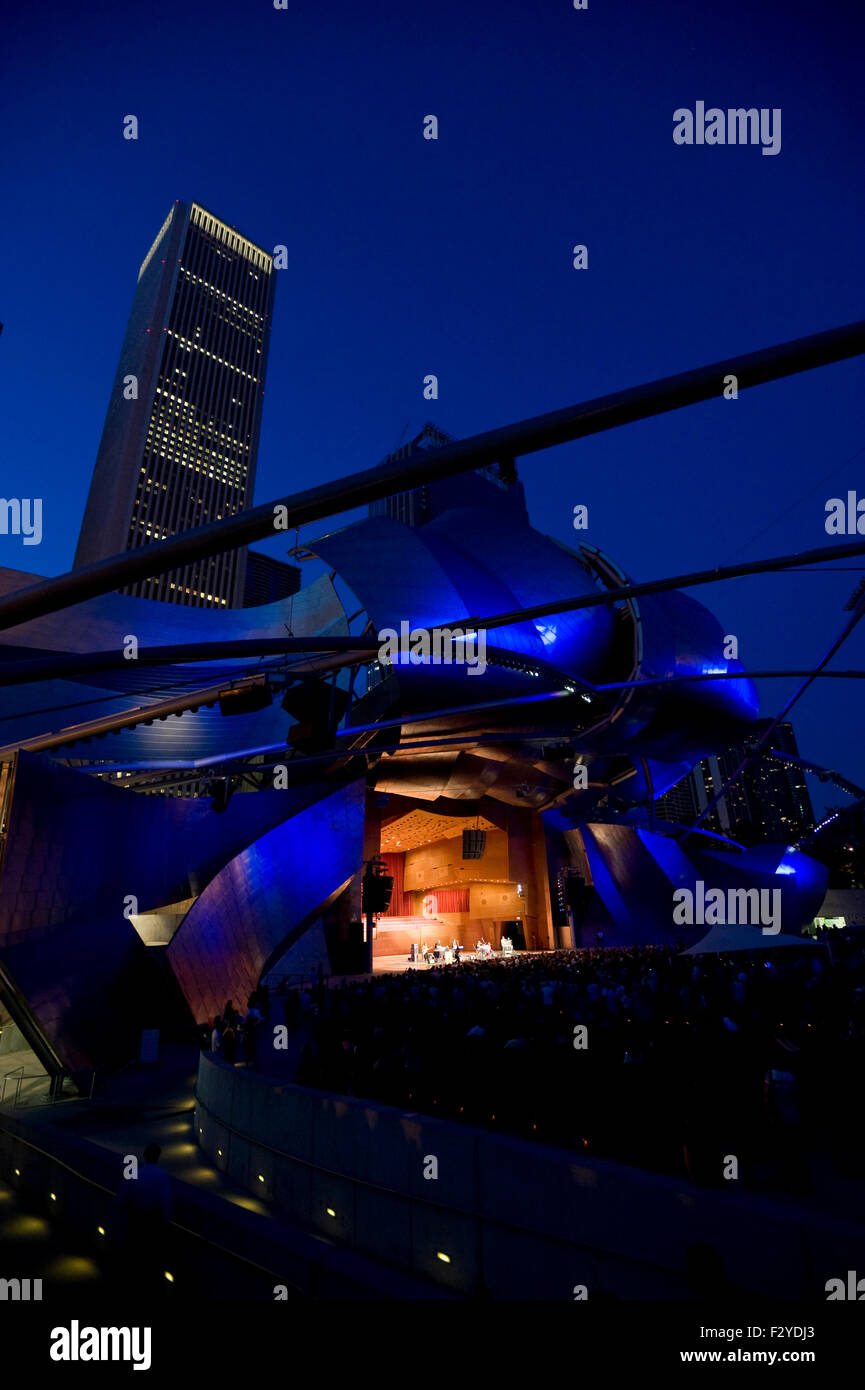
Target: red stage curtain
x=447, y=899
x=400, y=901
x=451, y=899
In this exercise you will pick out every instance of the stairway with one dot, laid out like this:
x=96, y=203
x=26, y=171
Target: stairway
x=394, y=935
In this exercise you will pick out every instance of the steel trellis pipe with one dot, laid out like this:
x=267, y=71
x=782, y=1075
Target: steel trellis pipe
x=508, y=442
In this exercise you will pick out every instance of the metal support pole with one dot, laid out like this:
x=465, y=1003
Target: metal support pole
x=511, y=441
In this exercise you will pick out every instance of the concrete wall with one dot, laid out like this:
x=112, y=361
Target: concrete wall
x=215, y=1248
x=157, y=928
x=521, y=1219
x=11, y=1037
x=305, y=956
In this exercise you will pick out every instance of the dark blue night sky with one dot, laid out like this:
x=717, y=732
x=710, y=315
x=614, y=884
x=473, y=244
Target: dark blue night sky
x=409, y=257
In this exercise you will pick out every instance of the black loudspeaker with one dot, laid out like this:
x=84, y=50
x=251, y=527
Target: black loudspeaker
x=377, y=890
x=248, y=700
x=474, y=844
x=578, y=894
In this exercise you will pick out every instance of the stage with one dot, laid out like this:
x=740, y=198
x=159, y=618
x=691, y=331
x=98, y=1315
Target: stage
x=392, y=965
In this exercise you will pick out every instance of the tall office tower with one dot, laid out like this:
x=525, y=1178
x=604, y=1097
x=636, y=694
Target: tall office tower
x=768, y=803
x=779, y=803
x=493, y=485
x=680, y=803
x=268, y=580
x=180, y=439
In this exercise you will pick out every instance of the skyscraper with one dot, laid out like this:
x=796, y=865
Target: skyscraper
x=268, y=580
x=493, y=485
x=180, y=439
x=768, y=803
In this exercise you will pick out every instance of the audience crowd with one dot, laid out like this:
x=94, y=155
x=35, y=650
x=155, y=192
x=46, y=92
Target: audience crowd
x=646, y=1056
x=235, y=1035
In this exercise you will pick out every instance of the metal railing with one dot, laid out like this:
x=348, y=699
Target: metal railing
x=47, y=1090
x=17, y=1072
